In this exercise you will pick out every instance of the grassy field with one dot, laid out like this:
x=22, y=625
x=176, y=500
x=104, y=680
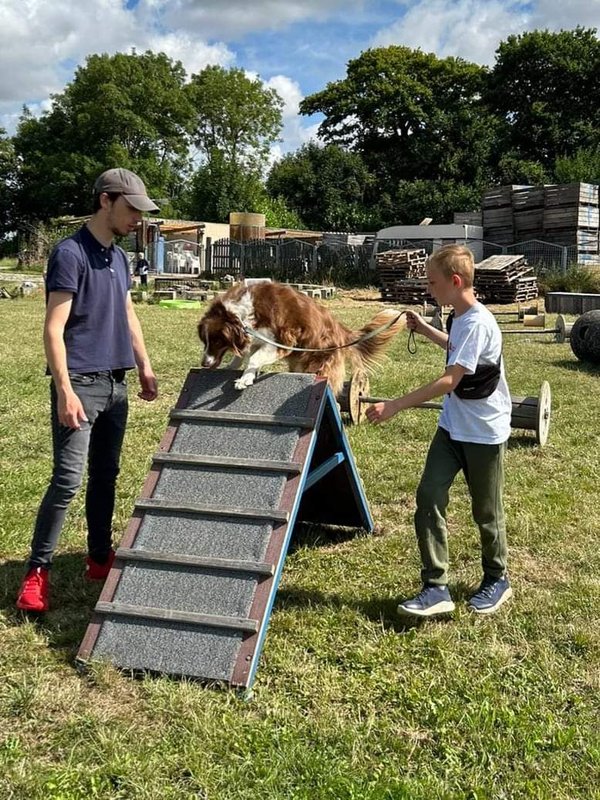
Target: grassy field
x=349, y=702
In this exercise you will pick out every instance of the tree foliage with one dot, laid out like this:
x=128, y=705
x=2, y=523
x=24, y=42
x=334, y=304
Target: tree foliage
x=420, y=128
x=584, y=166
x=127, y=110
x=546, y=88
x=237, y=119
x=327, y=186
x=219, y=187
x=409, y=114
x=8, y=168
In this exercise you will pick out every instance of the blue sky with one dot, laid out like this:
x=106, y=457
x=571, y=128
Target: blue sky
x=295, y=46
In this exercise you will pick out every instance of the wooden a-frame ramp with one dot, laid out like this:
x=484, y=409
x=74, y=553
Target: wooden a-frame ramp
x=193, y=584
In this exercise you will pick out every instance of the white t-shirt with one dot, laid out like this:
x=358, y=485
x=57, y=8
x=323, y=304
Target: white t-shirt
x=474, y=339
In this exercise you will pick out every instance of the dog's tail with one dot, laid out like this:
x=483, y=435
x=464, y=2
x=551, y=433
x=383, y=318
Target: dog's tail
x=369, y=350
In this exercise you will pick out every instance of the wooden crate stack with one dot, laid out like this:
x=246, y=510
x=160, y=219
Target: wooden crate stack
x=402, y=275
x=505, y=279
x=571, y=217
x=528, y=212
x=563, y=214
x=498, y=224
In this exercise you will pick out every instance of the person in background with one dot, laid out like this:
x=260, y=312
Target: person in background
x=142, y=267
x=473, y=428
x=92, y=339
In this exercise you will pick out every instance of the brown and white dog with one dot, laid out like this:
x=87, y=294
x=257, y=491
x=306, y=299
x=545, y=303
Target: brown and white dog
x=283, y=316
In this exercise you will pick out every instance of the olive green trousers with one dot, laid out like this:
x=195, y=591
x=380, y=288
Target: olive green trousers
x=483, y=468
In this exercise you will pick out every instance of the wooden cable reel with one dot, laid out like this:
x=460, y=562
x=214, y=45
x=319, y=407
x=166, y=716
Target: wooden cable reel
x=520, y=313
x=562, y=331
x=528, y=413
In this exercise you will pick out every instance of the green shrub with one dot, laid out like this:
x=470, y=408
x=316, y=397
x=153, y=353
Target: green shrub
x=575, y=279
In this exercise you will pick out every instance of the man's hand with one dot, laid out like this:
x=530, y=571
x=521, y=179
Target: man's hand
x=70, y=410
x=149, y=384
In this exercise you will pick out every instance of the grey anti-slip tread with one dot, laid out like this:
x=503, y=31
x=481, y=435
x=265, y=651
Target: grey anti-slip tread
x=182, y=559
x=247, y=419
x=235, y=440
x=220, y=487
x=148, y=503
x=188, y=617
x=262, y=464
x=211, y=537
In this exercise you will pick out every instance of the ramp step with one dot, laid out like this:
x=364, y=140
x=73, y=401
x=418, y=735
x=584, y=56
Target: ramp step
x=181, y=559
x=149, y=503
x=220, y=461
x=248, y=419
x=169, y=615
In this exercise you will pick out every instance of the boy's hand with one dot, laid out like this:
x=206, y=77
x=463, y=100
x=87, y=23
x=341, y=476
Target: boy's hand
x=415, y=322
x=380, y=412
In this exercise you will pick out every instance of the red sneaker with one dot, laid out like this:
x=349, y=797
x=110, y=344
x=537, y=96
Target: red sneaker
x=98, y=572
x=34, y=594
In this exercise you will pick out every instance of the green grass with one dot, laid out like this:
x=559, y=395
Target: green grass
x=8, y=265
x=348, y=701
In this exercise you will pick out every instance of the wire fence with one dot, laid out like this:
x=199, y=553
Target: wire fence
x=336, y=263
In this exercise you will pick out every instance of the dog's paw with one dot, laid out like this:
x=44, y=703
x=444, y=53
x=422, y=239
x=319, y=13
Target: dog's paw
x=244, y=382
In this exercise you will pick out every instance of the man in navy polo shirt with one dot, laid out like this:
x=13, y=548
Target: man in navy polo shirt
x=92, y=337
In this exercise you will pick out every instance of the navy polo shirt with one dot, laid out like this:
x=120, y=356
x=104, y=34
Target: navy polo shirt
x=97, y=335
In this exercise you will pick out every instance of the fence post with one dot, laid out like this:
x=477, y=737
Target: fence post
x=208, y=256
x=373, y=259
x=563, y=260
x=242, y=246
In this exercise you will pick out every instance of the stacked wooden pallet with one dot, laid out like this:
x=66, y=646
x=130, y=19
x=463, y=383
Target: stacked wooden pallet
x=571, y=218
x=505, y=279
x=402, y=275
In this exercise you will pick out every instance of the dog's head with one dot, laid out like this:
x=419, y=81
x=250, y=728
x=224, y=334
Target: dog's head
x=220, y=331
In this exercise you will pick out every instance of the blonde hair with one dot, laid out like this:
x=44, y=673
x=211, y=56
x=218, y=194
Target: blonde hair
x=454, y=259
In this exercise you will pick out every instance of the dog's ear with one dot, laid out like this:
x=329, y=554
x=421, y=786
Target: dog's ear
x=236, y=335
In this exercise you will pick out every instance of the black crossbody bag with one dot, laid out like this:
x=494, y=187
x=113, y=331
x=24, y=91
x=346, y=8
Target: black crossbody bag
x=483, y=382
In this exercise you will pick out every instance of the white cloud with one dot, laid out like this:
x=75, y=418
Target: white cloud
x=232, y=19
x=38, y=37
x=566, y=14
x=41, y=42
x=294, y=133
x=473, y=29
x=193, y=54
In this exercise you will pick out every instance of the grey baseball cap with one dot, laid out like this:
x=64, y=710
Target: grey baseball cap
x=129, y=185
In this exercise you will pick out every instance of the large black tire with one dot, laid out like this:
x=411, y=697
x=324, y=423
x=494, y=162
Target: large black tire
x=585, y=337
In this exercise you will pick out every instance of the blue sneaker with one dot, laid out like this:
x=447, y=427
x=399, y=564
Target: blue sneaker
x=490, y=595
x=430, y=601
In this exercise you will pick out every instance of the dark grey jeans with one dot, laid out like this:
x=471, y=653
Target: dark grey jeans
x=98, y=442
x=483, y=468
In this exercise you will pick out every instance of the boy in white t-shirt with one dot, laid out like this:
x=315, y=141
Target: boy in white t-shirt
x=473, y=428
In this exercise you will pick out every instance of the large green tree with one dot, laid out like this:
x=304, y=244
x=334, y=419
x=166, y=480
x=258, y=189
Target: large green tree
x=8, y=166
x=127, y=110
x=545, y=86
x=409, y=114
x=328, y=187
x=237, y=119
